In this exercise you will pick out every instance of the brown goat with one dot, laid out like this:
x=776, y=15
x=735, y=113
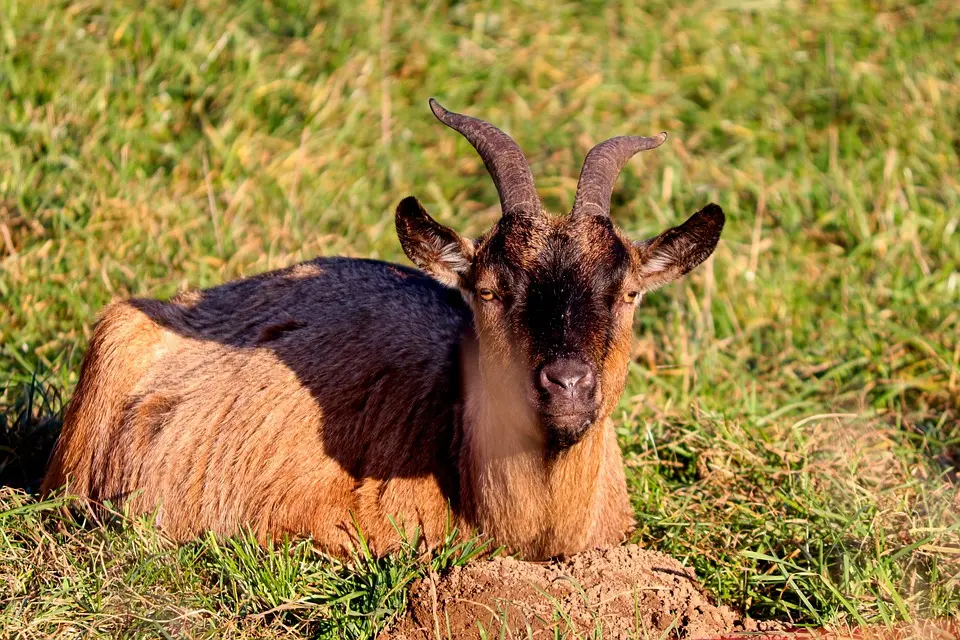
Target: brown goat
x=341, y=392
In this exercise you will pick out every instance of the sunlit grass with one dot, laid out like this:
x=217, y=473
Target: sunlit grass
x=792, y=419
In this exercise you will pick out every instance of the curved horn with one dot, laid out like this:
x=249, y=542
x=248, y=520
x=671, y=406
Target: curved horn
x=602, y=166
x=503, y=158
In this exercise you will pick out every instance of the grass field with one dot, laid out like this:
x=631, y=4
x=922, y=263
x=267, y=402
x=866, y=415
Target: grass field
x=792, y=420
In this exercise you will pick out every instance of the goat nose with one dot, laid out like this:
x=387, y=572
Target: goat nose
x=567, y=375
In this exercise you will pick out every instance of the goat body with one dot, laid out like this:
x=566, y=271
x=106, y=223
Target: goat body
x=310, y=400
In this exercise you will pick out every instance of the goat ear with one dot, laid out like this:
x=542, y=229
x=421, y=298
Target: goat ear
x=436, y=249
x=678, y=250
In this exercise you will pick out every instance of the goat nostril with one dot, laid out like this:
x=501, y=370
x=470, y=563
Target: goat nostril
x=565, y=379
x=543, y=380
x=588, y=379
x=557, y=379
x=566, y=375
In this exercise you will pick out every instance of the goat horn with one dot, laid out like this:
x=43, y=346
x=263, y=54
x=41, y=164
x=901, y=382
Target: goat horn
x=601, y=168
x=503, y=158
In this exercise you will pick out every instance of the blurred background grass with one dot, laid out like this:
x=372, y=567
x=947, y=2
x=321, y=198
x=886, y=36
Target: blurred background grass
x=791, y=422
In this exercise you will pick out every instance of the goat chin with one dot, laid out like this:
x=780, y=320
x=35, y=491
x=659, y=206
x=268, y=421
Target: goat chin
x=222, y=413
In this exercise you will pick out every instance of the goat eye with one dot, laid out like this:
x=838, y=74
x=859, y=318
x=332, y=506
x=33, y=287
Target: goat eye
x=630, y=297
x=486, y=294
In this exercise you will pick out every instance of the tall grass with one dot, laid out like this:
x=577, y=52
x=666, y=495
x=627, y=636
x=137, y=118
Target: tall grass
x=791, y=423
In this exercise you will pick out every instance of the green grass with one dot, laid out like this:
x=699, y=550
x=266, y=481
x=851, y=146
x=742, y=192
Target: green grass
x=792, y=420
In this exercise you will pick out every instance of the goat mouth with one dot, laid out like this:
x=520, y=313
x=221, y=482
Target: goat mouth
x=567, y=417
x=566, y=430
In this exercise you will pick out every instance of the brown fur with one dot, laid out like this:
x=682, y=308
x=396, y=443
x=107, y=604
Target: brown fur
x=218, y=434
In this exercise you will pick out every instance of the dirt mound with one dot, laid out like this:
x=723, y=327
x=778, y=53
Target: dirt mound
x=628, y=592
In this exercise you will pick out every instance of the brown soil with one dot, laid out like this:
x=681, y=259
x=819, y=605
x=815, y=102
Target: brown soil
x=627, y=591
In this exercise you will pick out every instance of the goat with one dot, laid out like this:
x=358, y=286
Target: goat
x=343, y=394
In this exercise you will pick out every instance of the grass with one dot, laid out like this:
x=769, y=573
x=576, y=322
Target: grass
x=123, y=579
x=792, y=420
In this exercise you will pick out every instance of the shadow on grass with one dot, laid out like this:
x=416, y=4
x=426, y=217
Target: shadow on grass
x=31, y=414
